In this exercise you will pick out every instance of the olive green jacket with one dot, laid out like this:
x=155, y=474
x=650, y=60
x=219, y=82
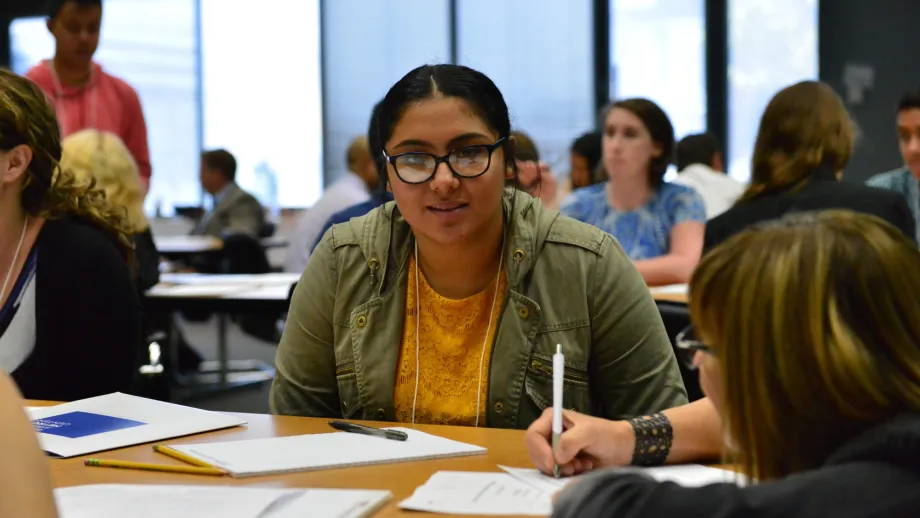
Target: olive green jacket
x=568, y=283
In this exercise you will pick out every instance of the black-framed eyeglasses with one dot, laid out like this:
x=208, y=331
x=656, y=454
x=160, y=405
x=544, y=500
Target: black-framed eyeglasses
x=464, y=162
x=687, y=346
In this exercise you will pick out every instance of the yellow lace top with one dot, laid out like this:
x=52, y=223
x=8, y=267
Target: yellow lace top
x=451, y=333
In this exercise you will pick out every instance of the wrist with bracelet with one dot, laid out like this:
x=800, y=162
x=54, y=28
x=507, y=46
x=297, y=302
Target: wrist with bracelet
x=654, y=436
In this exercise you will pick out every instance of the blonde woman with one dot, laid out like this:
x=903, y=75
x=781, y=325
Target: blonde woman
x=100, y=156
x=819, y=394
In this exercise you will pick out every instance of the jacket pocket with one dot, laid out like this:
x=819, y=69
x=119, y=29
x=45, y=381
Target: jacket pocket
x=538, y=387
x=348, y=389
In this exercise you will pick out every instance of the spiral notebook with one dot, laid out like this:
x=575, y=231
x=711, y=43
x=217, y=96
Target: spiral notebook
x=323, y=451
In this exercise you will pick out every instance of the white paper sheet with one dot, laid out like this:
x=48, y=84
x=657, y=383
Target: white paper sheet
x=688, y=475
x=137, y=501
x=146, y=501
x=495, y=494
x=158, y=421
x=323, y=451
x=331, y=503
x=537, y=480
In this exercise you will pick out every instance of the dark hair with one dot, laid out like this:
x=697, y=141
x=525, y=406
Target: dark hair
x=373, y=142
x=659, y=126
x=54, y=7
x=805, y=128
x=524, y=148
x=589, y=146
x=428, y=81
x=699, y=148
x=221, y=160
x=909, y=101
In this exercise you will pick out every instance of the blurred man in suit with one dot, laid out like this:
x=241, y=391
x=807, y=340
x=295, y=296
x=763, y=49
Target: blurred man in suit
x=234, y=210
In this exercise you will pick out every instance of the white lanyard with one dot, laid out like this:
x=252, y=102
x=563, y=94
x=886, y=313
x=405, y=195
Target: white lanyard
x=59, y=98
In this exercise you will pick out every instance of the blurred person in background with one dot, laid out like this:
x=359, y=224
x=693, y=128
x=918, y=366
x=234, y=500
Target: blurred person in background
x=535, y=176
x=585, y=161
x=380, y=195
x=83, y=94
x=804, y=142
x=355, y=186
x=660, y=225
x=234, y=210
x=906, y=180
x=699, y=166
x=102, y=157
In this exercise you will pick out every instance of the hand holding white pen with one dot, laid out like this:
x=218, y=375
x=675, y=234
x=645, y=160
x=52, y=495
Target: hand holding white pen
x=558, y=377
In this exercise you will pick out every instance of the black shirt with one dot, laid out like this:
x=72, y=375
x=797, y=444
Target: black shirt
x=87, y=313
x=823, y=191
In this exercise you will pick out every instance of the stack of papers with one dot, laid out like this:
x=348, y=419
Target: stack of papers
x=142, y=501
x=322, y=451
x=118, y=420
x=521, y=491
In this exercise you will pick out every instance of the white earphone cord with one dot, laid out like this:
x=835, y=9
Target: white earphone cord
x=482, y=353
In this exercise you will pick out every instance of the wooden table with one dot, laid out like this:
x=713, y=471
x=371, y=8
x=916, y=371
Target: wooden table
x=504, y=447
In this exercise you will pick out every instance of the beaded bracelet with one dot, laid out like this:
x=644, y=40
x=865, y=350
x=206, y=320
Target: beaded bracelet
x=654, y=436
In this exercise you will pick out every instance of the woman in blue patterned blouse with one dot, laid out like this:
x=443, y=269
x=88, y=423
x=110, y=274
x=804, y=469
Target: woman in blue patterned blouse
x=660, y=225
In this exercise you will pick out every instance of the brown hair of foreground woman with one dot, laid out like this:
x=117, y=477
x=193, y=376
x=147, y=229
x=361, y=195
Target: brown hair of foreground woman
x=815, y=324
x=29, y=125
x=808, y=344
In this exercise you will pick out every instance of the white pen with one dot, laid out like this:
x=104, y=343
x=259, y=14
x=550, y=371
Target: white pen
x=558, y=376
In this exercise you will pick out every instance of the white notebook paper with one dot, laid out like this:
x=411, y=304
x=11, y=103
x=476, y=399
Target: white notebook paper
x=527, y=491
x=176, y=501
x=118, y=420
x=484, y=494
x=323, y=451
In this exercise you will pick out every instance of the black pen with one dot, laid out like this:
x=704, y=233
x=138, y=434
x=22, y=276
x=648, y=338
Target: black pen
x=394, y=435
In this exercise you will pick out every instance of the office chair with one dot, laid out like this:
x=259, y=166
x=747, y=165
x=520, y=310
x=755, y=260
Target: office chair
x=676, y=317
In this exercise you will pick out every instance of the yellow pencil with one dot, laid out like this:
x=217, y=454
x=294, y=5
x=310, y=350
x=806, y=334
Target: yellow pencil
x=124, y=464
x=178, y=455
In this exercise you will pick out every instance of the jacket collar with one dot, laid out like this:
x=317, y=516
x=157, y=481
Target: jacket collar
x=386, y=247
x=896, y=440
x=823, y=174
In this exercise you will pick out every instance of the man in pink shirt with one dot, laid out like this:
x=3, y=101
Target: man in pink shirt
x=83, y=94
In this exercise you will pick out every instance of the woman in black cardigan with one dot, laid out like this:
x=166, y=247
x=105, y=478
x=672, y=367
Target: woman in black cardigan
x=803, y=144
x=70, y=318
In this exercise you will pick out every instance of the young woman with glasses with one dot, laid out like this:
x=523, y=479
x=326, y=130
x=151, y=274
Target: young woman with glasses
x=446, y=305
x=811, y=361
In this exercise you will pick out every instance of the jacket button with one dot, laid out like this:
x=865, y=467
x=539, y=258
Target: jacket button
x=518, y=254
x=373, y=264
x=499, y=407
x=361, y=321
x=345, y=404
x=381, y=414
x=524, y=312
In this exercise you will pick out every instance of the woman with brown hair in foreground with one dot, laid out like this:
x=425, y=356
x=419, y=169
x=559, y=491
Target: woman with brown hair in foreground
x=70, y=318
x=25, y=486
x=812, y=360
